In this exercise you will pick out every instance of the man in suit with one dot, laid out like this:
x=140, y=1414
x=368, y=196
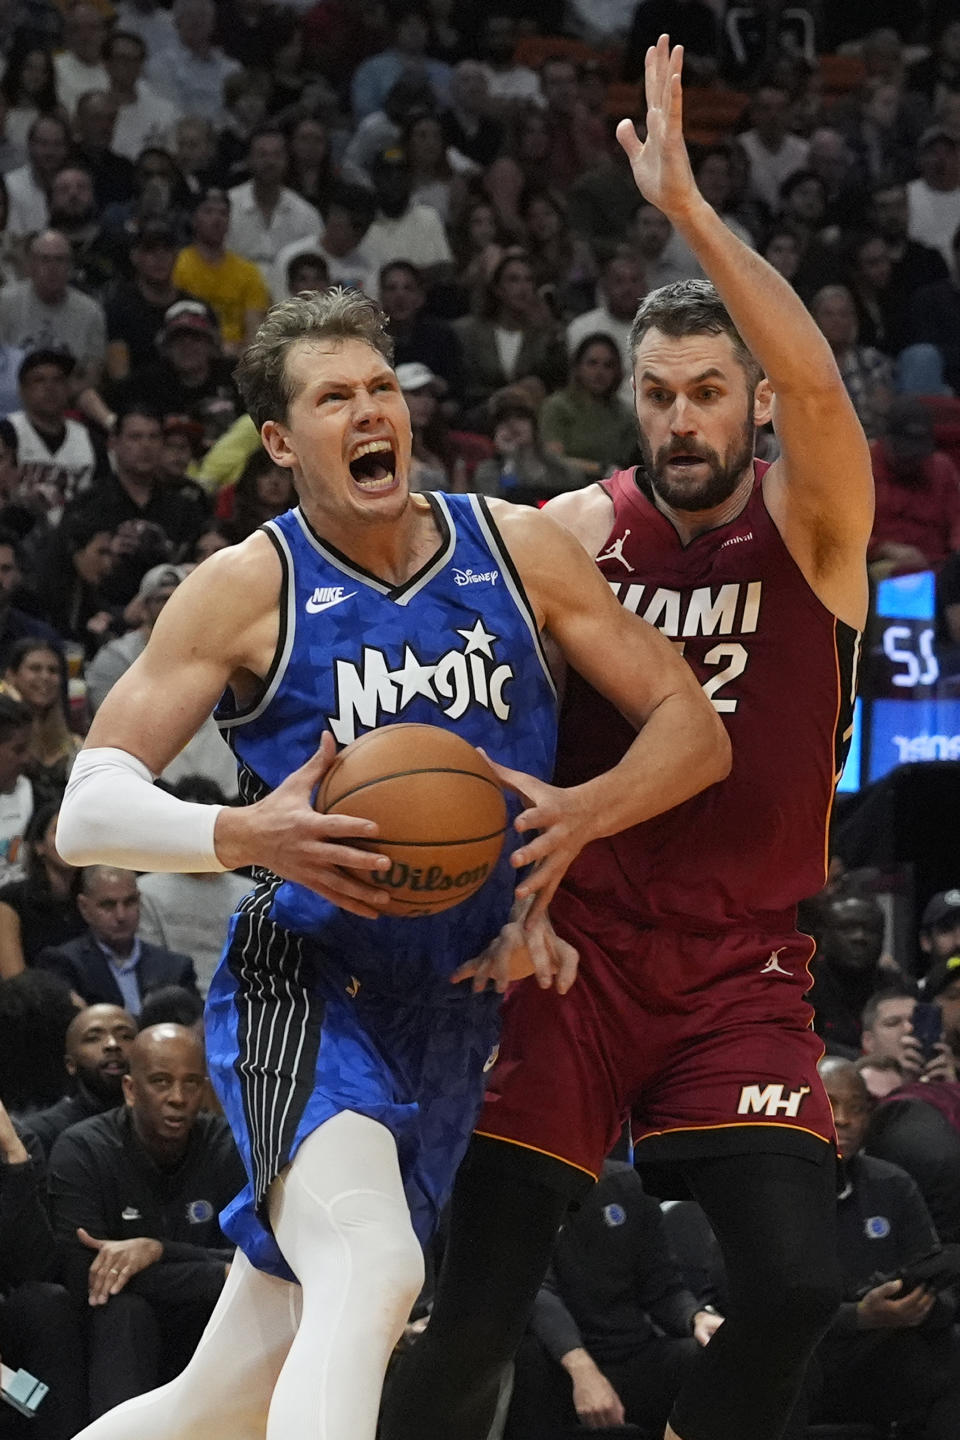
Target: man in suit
x=110, y=964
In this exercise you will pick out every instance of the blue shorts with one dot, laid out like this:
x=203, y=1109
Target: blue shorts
x=293, y=1040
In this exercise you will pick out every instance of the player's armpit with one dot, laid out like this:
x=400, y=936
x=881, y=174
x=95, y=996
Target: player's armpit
x=222, y=620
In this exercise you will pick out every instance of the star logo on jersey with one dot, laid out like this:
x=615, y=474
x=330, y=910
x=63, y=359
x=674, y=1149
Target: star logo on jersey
x=325, y=597
x=371, y=688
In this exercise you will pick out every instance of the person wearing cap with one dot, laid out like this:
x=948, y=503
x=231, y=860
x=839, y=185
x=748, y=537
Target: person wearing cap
x=231, y=285
x=940, y=926
x=432, y=462
x=934, y=196
x=917, y=520
x=190, y=374
x=136, y=308
x=57, y=456
x=115, y=658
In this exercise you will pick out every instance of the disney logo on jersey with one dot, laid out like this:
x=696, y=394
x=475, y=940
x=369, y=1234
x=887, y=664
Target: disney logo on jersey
x=458, y=679
x=475, y=577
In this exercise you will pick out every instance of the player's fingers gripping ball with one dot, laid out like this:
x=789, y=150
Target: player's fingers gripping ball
x=439, y=808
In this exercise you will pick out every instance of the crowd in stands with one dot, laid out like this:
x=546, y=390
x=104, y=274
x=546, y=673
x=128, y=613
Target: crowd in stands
x=167, y=172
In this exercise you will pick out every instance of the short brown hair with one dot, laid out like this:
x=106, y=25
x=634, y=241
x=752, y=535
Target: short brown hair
x=691, y=307
x=336, y=315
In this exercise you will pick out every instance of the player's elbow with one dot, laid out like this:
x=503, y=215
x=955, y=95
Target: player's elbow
x=76, y=838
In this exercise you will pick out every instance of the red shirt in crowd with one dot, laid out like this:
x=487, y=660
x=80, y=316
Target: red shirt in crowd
x=925, y=515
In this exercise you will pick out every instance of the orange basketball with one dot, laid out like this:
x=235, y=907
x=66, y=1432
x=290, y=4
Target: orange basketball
x=438, y=804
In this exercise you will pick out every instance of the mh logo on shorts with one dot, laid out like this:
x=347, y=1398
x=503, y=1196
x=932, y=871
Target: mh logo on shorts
x=458, y=679
x=770, y=1101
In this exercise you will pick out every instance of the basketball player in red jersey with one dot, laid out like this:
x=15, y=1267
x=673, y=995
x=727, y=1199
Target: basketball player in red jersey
x=688, y=1015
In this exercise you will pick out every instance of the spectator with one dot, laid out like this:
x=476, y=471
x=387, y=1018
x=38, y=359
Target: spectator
x=262, y=492
x=311, y=170
x=144, y=118
x=348, y=213
x=577, y=138
x=306, y=271
x=149, y=19
x=601, y=203
x=933, y=199
x=37, y=673
x=383, y=129
x=522, y=470
x=45, y=312
x=418, y=337
x=940, y=927
x=651, y=236
x=468, y=124
x=402, y=230
x=16, y=792
x=478, y=243
x=28, y=188
x=892, y=1352
x=135, y=1195
x=410, y=33
x=56, y=455
x=917, y=519
x=265, y=214
x=73, y=566
x=97, y=255
x=514, y=338
x=847, y=971
x=14, y=623
x=782, y=248
x=38, y=1324
x=93, y=126
x=192, y=376
x=434, y=181
x=934, y=319
x=832, y=159
x=713, y=170
x=97, y=1056
x=586, y=423
x=40, y=909
x=523, y=165
x=563, y=264
x=866, y=373
x=190, y=70
x=195, y=152
x=246, y=96
x=772, y=152
x=431, y=460
x=135, y=308
x=110, y=964
x=35, y=1011
x=881, y=310
x=914, y=264
x=692, y=24
x=79, y=65
x=886, y=1019
x=880, y=124
x=191, y=913
x=622, y=285
x=29, y=87
x=172, y=1005
x=339, y=34
x=132, y=488
x=231, y=285
x=251, y=31
x=938, y=73
x=882, y=1074
x=942, y=986
x=614, y=1314
x=509, y=84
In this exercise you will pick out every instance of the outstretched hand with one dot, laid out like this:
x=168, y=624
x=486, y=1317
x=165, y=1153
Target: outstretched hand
x=517, y=952
x=660, y=164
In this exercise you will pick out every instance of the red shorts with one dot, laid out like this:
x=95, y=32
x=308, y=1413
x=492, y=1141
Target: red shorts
x=703, y=1042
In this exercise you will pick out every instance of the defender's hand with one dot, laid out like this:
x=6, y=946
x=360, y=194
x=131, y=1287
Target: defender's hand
x=660, y=163
x=287, y=835
x=518, y=952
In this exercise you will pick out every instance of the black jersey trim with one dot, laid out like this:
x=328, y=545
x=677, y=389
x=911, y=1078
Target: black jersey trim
x=286, y=610
x=404, y=592
x=511, y=579
x=847, y=641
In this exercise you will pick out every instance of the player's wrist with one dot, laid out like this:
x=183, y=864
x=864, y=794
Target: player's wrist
x=232, y=837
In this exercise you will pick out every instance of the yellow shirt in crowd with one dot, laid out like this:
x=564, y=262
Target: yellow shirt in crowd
x=230, y=287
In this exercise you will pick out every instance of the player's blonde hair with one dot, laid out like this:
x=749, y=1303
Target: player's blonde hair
x=333, y=315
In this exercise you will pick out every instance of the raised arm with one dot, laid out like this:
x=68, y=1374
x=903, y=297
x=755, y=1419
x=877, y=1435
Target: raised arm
x=820, y=492
x=681, y=745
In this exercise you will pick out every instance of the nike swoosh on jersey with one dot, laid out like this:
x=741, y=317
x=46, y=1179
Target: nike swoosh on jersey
x=313, y=608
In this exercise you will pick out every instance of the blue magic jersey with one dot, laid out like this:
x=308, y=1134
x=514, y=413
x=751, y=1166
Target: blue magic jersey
x=456, y=645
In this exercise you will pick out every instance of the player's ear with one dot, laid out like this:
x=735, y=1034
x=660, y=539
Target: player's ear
x=763, y=403
x=276, y=442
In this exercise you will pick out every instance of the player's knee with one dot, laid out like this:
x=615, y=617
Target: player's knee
x=799, y=1307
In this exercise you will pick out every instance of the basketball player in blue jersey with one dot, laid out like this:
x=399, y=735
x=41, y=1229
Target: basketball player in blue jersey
x=350, y=1068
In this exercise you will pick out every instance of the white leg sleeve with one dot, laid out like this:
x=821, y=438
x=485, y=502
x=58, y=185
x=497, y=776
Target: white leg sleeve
x=341, y=1220
x=224, y=1393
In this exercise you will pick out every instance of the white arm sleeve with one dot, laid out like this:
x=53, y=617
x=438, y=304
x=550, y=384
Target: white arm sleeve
x=113, y=814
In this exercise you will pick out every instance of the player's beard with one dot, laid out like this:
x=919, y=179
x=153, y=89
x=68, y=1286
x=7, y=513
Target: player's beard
x=724, y=477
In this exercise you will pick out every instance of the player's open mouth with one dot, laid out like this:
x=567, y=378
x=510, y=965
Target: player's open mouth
x=685, y=460
x=373, y=466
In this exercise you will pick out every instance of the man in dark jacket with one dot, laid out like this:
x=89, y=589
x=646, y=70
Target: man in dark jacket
x=97, y=1057
x=135, y=1195
x=614, y=1325
x=111, y=964
x=39, y=1332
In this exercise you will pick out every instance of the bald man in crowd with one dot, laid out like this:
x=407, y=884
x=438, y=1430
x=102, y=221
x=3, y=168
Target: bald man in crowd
x=96, y=1057
x=135, y=1195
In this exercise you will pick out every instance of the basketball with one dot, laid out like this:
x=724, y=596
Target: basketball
x=438, y=804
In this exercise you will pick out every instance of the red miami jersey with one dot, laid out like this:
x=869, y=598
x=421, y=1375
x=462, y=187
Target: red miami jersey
x=780, y=670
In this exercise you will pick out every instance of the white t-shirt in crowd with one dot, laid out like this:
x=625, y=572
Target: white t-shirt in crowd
x=16, y=807
x=933, y=217
x=418, y=235
x=508, y=349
